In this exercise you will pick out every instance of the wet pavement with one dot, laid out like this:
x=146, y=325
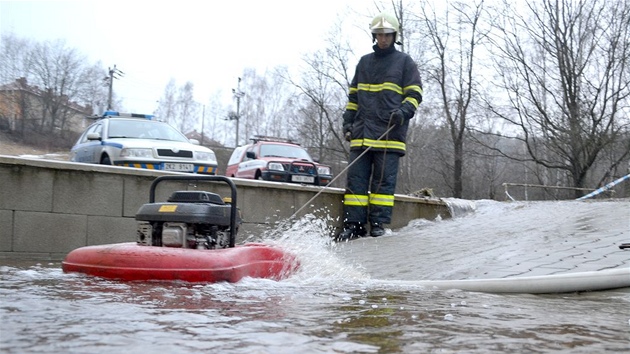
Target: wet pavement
x=503, y=240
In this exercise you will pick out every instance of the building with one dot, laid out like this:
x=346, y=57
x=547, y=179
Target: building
x=24, y=107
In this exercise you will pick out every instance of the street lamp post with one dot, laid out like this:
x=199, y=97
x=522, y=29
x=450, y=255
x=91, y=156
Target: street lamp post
x=114, y=73
x=238, y=94
x=203, y=119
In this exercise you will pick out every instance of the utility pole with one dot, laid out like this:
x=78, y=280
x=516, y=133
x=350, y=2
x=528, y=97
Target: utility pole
x=113, y=74
x=238, y=94
x=203, y=119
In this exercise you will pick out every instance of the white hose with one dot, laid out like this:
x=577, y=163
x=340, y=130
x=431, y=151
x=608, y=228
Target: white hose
x=556, y=283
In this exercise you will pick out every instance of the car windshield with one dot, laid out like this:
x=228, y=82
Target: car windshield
x=143, y=129
x=278, y=150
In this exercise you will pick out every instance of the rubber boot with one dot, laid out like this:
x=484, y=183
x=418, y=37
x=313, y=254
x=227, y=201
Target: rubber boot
x=377, y=229
x=351, y=231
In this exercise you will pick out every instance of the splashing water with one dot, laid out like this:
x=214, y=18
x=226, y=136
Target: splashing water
x=354, y=297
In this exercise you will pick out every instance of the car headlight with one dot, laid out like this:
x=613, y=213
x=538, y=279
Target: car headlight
x=136, y=152
x=276, y=166
x=323, y=170
x=205, y=156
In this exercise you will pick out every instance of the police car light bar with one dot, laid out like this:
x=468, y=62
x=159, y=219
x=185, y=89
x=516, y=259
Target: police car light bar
x=258, y=138
x=127, y=115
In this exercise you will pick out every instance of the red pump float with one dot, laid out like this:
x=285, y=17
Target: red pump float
x=191, y=237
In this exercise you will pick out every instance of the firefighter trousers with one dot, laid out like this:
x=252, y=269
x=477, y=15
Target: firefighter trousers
x=371, y=182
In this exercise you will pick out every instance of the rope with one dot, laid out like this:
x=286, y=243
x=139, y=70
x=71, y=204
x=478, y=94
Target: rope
x=382, y=175
x=335, y=178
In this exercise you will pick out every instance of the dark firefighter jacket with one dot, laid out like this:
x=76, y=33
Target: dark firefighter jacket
x=384, y=81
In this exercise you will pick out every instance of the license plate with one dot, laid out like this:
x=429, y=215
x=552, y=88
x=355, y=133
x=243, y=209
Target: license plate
x=173, y=166
x=302, y=179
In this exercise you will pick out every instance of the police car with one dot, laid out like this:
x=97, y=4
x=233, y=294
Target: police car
x=141, y=141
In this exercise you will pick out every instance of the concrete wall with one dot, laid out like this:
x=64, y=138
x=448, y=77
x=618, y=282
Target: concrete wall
x=48, y=208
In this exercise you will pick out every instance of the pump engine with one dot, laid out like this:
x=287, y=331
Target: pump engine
x=189, y=219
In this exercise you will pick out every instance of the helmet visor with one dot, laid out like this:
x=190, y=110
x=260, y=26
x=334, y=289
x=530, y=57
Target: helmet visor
x=382, y=30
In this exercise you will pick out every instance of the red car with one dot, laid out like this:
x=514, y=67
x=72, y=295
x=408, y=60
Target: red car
x=276, y=159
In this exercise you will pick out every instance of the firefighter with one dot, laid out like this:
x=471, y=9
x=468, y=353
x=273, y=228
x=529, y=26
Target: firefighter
x=383, y=96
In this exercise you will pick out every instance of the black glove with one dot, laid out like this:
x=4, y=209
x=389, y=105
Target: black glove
x=347, y=132
x=397, y=117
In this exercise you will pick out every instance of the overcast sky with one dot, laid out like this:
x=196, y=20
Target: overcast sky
x=209, y=43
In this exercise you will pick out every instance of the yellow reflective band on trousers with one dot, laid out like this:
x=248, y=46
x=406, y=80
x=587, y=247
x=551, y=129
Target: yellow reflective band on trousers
x=382, y=199
x=379, y=144
x=355, y=200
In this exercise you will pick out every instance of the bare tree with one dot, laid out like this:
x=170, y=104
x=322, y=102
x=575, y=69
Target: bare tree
x=215, y=123
x=186, y=108
x=178, y=107
x=321, y=115
x=58, y=69
x=167, y=104
x=265, y=107
x=52, y=87
x=455, y=37
x=322, y=101
x=564, y=68
x=323, y=88
x=14, y=63
x=94, y=89
x=14, y=57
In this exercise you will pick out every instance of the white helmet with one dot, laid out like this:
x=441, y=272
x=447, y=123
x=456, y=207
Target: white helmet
x=385, y=23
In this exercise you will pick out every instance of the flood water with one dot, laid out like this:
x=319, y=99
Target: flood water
x=358, y=297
